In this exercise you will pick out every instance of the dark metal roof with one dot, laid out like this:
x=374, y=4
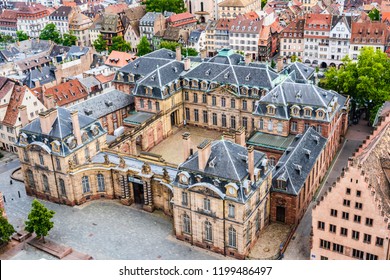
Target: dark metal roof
x=276, y=142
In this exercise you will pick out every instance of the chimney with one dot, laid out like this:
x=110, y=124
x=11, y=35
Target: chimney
x=187, y=145
x=203, y=53
x=229, y=136
x=178, y=53
x=76, y=126
x=279, y=64
x=204, y=151
x=240, y=137
x=47, y=119
x=251, y=163
x=48, y=101
x=187, y=64
x=23, y=115
x=248, y=58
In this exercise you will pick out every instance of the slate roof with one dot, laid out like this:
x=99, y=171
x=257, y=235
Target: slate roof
x=194, y=36
x=44, y=75
x=303, y=72
x=76, y=52
x=226, y=164
x=297, y=161
x=288, y=94
x=62, y=11
x=149, y=18
x=104, y=104
x=89, y=82
x=61, y=131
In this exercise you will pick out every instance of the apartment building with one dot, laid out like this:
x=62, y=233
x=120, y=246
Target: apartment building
x=31, y=19
x=61, y=18
x=234, y=8
x=79, y=26
x=292, y=39
x=150, y=24
x=339, y=40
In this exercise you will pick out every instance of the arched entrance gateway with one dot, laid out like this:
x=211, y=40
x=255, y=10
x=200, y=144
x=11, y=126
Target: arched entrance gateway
x=323, y=65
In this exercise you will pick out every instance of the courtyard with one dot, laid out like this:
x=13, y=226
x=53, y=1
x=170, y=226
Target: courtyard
x=171, y=149
x=106, y=230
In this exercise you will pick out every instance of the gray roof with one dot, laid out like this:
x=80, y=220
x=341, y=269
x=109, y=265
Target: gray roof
x=44, y=75
x=61, y=131
x=297, y=162
x=89, y=82
x=195, y=36
x=149, y=18
x=303, y=72
x=104, y=104
x=288, y=94
x=229, y=161
x=77, y=52
x=270, y=141
x=62, y=11
x=138, y=118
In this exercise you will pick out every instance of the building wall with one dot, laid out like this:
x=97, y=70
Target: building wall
x=2, y=205
x=346, y=188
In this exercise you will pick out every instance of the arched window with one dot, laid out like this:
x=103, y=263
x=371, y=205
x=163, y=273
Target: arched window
x=101, y=186
x=62, y=187
x=186, y=224
x=85, y=183
x=208, y=228
x=30, y=179
x=45, y=183
x=232, y=237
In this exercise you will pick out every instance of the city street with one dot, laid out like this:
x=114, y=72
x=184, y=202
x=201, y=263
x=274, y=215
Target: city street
x=299, y=247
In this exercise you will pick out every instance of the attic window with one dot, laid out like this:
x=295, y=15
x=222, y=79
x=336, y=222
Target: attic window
x=298, y=95
x=307, y=152
x=226, y=75
x=108, y=103
x=282, y=183
x=307, y=112
x=208, y=72
x=247, y=78
x=298, y=168
x=212, y=162
x=316, y=138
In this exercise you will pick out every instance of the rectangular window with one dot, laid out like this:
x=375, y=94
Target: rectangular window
x=324, y=258
x=141, y=103
x=332, y=228
x=355, y=235
x=223, y=102
x=321, y=225
x=58, y=163
x=223, y=120
x=344, y=231
x=149, y=106
x=348, y=191
x=204, y=98
x=345, y=216
x=196, y=115
x=379, y=242
x=367, y=238
x=157, y=106
x=233, y=122
x=294, y=126
x=358, y=193
x=357, y=254
x=232, y=103
x=369, y=222
x=324, y=244
x=245, y=122
x=206, y=204
x=41, y=160
x=232, y=210
x=307, y=126
x=333, y=212
x=184, y=199
x=371, y=257
x=215, y=120
x=187, y=114
x=358, y=205
x=338, y=248
x=214, y=101
x=195, y=98
x=347, y=202
x=205, y=117
x=186, y=98
x=357, y=219
x=244, y=105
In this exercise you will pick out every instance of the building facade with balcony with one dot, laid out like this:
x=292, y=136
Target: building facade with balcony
x=32, y=19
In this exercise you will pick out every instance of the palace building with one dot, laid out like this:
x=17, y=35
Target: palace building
x=219, y=193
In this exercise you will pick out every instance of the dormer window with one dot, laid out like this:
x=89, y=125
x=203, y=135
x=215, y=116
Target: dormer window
x=295, y=110
x=84, y=136
x=320, y=114
x=194, y=83
x=184, y=178
x=282, y=183
x=307, y=112
x=271, y=109
x=131, y=77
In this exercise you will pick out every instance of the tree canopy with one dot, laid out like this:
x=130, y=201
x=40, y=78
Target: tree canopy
x=39, y=220
x=263, y=3
x=176, y=6
x=367, y=81
x=6, y=229
x=143, y=47
x=69, y=39
x=100, y=44
x=50, y=32
x=374, y=15
x=119, y=44
x=172, y=46
x=6, y=39
x=22, y=36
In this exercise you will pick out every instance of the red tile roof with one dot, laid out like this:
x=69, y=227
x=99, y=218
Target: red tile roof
x=119, y=59
x=105, y=79
x=179, y=17
x=15, y=101
x=251, y=15
x=116, y=9
x=67, y=93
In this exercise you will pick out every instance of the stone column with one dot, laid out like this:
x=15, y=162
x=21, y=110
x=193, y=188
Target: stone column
x=148, y=204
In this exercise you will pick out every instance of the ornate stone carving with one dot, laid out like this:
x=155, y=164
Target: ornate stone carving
x=146, y=168
x=166, y=177
x=71, y=163
x=106, y=159
x=122, y=163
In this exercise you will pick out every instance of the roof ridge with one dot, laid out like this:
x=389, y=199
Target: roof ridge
x=318, y=94
x=230, y=158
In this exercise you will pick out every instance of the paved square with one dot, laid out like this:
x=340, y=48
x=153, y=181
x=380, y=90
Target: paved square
x=106, y=230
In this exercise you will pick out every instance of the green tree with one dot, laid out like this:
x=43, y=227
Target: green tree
x=100, y=44
x=69, y=39
x=189, y=52
x=374, y=15
x=50, y=32
x=294, y=58
x=39, y=220
x=119, y=44
x=176, y=6
x=6, y=229
x=22, y=36
x=263, y=3
x=143, y=47
x=273, y=63
x=169, y=45
x=367, y=80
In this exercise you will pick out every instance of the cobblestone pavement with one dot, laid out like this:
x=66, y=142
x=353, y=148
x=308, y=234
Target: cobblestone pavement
x=103, y=229
x=299, y=247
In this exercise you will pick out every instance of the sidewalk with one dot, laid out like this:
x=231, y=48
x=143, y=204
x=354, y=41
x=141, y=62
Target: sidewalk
x=7, y=157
